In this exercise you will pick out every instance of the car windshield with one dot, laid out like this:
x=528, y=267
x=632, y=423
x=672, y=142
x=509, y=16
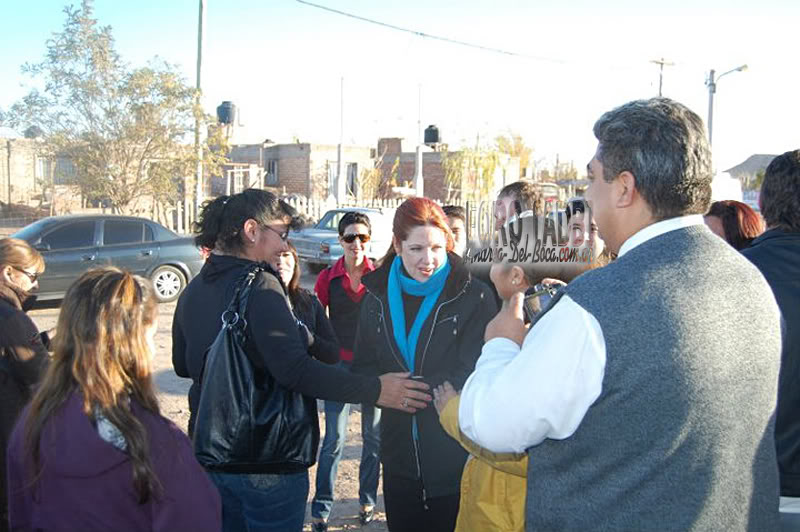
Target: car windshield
x=30, y=231
x=330, y=222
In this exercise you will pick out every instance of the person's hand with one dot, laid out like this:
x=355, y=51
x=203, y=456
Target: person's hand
x=442, y=394
x=551, y=281
x=401, y=393
x=509, y=322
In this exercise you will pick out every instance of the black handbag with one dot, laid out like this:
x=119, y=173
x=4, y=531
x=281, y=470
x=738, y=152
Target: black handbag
x=246, y=421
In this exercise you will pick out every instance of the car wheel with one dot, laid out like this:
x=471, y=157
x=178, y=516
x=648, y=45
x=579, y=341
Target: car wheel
x=168, y=282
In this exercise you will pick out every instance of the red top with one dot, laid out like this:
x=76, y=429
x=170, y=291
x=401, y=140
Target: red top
x=322, y=288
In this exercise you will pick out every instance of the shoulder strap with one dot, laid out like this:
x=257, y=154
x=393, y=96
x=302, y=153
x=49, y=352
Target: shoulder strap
x=237, y=308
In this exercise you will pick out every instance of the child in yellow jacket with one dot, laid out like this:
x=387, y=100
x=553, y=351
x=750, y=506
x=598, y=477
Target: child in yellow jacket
x=493, y=486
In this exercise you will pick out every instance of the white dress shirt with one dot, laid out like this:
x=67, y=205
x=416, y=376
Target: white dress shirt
x=517, y=397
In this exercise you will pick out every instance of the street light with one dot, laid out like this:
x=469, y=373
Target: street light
x=711, y=83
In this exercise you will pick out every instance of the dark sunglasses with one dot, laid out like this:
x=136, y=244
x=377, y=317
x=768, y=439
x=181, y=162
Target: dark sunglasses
x=349, y=239
x=32, y=276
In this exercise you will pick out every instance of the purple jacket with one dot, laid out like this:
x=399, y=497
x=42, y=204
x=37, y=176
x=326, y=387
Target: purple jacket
x=86, y=483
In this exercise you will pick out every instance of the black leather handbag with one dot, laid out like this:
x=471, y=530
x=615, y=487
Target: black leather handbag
x=246, y=421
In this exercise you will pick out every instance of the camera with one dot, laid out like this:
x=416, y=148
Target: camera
x=537, y=298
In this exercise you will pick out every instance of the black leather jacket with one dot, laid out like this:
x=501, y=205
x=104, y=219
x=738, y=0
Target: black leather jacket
x=274, y=346
x=449, y=345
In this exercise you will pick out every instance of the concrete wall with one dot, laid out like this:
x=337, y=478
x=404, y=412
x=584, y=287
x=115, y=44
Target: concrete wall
x=18, y=171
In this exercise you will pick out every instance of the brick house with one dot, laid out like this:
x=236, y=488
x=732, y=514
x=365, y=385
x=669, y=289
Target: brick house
x=300, y=168
x=433, y=172
x=309, y=170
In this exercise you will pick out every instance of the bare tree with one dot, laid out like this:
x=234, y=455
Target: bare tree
x=124, y=129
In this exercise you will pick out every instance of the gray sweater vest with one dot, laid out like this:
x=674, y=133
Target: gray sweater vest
x=681, y=437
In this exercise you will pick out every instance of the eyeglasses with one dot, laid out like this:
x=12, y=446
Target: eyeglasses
x=350, y=238
x=283, y=236
x=32, y=276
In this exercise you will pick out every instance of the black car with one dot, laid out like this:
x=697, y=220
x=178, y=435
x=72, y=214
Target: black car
x=73, y=244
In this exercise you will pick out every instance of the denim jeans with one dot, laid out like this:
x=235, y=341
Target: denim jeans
x=262, y=502
x=336, y=415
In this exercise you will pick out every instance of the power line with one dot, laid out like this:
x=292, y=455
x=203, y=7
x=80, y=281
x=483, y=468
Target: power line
x=435, y=37
x=490, y=49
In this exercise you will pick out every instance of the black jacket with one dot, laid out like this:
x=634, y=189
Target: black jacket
x=449, y=345
x=776, y=254
x=311, y=312
x=23, y=359
x=274, y=345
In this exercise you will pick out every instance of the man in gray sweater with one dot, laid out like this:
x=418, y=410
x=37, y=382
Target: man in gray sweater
x=645, y=394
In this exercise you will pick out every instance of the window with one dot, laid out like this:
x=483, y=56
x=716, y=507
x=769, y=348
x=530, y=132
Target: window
x=331, y=220
x=331, y=176
x=43, y=169
x=271, y=173
x=148, y=233
x=122, y=232
x=75, y=235
x=65, y=171
x=352, y=179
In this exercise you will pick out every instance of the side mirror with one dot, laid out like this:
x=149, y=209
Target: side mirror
x=41, y=246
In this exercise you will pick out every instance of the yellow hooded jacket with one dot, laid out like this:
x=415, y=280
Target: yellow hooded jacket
x=493, y=485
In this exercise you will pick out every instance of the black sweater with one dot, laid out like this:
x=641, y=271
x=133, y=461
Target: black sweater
x=776, y=254
x=272, y=329
x=310, y=311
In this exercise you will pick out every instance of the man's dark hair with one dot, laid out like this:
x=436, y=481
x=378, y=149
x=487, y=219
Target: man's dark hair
x=780, y=192
x=455, y=211
x=354, y=217
x=663, y=144
x=527, y=197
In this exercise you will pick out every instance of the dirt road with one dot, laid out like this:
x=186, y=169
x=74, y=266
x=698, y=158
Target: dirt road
x=173, y=390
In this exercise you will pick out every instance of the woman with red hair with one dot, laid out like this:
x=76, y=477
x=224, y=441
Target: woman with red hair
x=735, y=222
x=426, y=315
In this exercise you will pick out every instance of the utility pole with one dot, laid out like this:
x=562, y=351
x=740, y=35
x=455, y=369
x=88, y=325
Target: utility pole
x=712, y=88
x=661, y=63
x=198, y=194
x=418, y=179
x=711, y=83
x=339, y=190
x=419, y=113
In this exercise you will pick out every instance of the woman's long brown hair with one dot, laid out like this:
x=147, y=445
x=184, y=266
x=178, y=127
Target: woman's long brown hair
x=299, y=297
x=101, y=352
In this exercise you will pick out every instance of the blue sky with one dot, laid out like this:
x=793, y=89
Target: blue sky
x=281, y=62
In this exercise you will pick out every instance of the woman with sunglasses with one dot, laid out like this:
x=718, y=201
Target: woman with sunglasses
x=23, y=349
x=340, y=290
x=248, y=231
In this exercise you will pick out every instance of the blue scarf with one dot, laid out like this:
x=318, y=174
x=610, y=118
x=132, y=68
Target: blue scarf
x=400, y=283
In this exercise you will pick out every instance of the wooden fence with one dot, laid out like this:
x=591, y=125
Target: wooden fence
x=179, y=219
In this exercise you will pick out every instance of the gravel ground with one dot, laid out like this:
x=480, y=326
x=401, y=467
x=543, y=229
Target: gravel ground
x=172, y=393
